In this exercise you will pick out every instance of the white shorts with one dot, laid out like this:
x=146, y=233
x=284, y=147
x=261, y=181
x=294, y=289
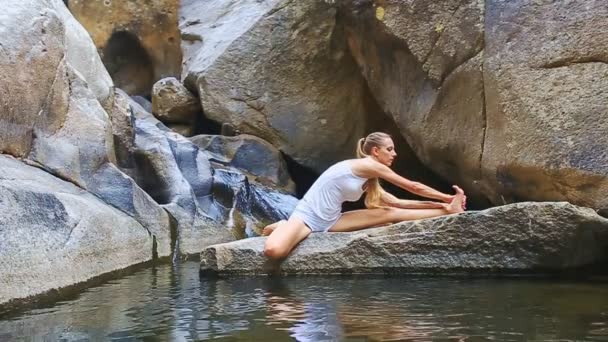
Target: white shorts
x=312, y=220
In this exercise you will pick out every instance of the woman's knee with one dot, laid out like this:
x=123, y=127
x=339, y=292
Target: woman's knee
x=274, y=250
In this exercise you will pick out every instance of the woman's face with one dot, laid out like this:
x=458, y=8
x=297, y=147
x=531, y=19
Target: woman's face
x=385, y=153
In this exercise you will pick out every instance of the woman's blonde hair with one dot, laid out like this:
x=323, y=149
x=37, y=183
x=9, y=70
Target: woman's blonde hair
x=373, y=198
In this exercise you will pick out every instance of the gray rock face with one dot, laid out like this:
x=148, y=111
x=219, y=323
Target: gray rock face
x=422, y=61
x=43, y=48
x=546, y=101
x=518, y=237
x=208, y=205
x=508, y=117
x=179, y=178
x=278, y=70
x=54, y=234
x=249, y=154
x=173, y=103
x=54, y=96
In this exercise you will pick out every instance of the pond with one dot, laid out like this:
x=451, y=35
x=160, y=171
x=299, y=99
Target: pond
x=172, y=303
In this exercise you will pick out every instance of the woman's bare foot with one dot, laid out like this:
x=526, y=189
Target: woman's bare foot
x=271, y=227
x=457, y=204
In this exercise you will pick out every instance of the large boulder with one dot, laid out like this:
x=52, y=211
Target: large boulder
x=55, y=91
x=278, y=70
x=139, y=41
x=42, y=47
x=54, y=234
x=173, y=103
x=546, y=101
x=519, y=237
x=508, y=117
x=422, y=61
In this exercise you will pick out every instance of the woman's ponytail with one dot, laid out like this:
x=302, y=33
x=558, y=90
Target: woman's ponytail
x=374, y=191
x=359, y=149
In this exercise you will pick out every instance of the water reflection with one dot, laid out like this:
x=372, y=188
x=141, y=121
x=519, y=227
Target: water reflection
x=174, y=304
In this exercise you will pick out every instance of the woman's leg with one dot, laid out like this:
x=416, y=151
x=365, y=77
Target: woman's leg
x=367, y=218
x=285, y=237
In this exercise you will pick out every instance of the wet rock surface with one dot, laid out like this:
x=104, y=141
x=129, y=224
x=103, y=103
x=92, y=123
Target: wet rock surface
x=523, y=237
x=249, y=154
x=208, y=204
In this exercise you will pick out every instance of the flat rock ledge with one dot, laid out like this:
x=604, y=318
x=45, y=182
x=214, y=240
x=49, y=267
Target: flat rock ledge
x=521, y=238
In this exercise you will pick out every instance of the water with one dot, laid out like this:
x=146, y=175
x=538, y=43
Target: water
x=169, y=303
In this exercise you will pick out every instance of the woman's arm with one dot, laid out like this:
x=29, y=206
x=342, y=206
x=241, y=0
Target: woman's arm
x=369, y=168
x=395, y=202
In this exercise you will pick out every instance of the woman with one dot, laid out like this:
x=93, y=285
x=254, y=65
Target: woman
x=320, y=208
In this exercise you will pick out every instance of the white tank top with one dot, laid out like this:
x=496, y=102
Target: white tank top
x=335, y=186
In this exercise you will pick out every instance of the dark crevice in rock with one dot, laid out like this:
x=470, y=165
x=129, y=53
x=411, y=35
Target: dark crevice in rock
x=565, y=62
x=154, y=248
x=128, y=63
x=278, y=8
x=150, y=182
x=204, y=125
x=302, y=176
x=174, y=232
x=484, y=120
x=473, y=54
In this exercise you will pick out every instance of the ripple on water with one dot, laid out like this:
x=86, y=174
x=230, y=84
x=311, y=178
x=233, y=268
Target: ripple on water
x=173, y=303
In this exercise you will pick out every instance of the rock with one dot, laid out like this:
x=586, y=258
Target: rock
x=139, y=41
x=54, y=234
x=546, y=115
x=143, y=102
x=249, y=154
x=485, y=106
x=173, y=103
x=178, y=177
x=523, y=237
x=56, y=119
x=208, y=205
x=423, y=62
x=248, y=206
x=278, y=70
x=41, y=45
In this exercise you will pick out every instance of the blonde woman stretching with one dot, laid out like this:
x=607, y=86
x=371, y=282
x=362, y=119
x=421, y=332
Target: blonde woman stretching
x=320, y=208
